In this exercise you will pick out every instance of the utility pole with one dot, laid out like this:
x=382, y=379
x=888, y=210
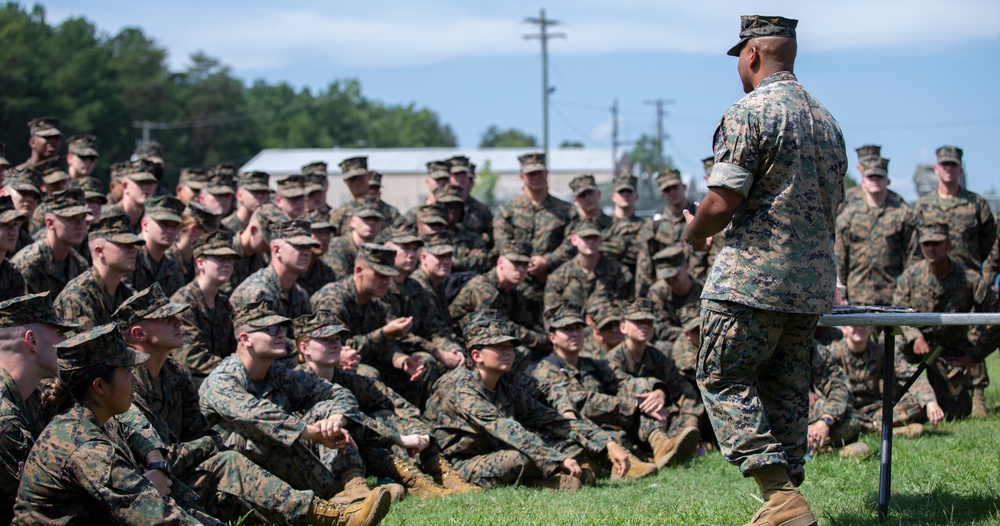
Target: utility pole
x=660, y=136
x=614, y=138
x=544, y=36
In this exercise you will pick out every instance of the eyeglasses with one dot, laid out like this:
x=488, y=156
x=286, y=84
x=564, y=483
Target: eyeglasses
x=272, y=330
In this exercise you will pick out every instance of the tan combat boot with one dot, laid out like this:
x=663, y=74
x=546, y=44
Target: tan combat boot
x=414, y=480
x=355, y=488
x=557, y=482
x=677, y=450
x=367, y=512
x=978, y=402
x=908, y=431
x=858, y=450
x=637, y=469
x=445, y=475
x=783, y=504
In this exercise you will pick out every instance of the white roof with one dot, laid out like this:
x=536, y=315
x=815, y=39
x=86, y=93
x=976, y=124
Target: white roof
x=414, y=160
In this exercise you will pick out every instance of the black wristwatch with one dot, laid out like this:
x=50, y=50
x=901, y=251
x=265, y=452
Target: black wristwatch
x=163, y=465
x=826, y=420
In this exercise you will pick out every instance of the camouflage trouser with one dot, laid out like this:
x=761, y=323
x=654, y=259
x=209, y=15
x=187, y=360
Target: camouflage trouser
x=304, y=466
x=845, y=430
x=676, y=421
x=907, y=411
x=952, y=388
x=230, y=486
x=753, y=371
x=500, y=468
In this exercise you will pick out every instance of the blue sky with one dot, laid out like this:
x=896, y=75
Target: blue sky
x=910, y=75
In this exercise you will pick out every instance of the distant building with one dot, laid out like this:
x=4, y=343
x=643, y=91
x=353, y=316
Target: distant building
x=404, y=169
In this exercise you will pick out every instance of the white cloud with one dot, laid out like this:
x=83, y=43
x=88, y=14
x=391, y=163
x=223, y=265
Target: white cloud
x=393, y=33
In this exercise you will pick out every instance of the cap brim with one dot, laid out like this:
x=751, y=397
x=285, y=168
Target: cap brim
x=735, y=50
x=166, y=216
x=220, y=190
x=85, y=152
x=497, y=340
x=949, y=160
x=293, y=193
x=406, y=239
x=440, y=250
x=51, y=132
x=53, y=179
x=62, y=323
x=10, y=216
x=534, y=167
x=144, y=177
x=370, y=215
x=166, y=311
x=606, y=321
x=460, y=170
x=666, y=273
x=327, y=331
x=25, y=187
x=130, y=358
x=72, y=211
x=588, y=232
x=384, y=270
x=357, y=172
x=517, y=258
x=301, y=241
x=439, y=175
x=255, y=187
x=434, y=221
x=269, y=320
x=620, y=187
x=123, y=239
x=96, y=195
x=583, y=189
x=567, y=321
x=218, y=252
x=933, y=238
x=641, y=316
x=451, y=200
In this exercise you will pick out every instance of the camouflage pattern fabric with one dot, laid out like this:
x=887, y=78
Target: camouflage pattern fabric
x=85, y=300
x=873, y=246
x=77, y=472
x=167, y=272
x=484, y=292
x=318, y=275
x=364, y=322
x=341, y=255
x=478, y=218
x=20, y=425
x=973, y=229
x=653, y=237
x=41, y=272
x=208, y=332
x=785, y=225
x=340, y=216
x=265, y=284
x=701, y=263
x=609, y=281
x=831, y=395
x=621, y=241
x=12, y=283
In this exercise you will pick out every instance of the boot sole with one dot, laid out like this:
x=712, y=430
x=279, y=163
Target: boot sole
x=805, y=520
x=687, y=446
x=379, y=510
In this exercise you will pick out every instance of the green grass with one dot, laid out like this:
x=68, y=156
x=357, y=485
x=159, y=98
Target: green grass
x=951, y=475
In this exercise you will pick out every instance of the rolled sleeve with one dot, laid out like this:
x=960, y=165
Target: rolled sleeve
x=731, y=177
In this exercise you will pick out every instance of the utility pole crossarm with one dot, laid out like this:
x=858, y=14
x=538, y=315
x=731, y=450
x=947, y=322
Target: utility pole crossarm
x=543, y=36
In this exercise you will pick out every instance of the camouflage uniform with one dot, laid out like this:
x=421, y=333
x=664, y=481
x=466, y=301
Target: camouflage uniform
x=961, y=290
x=495, y=437
x=973, y=229
x=340, y=216
x=20, y=424
x=679, y=312
x=484, y=292
x=266, y=285
x=167, y=272
x=701, y=262
x=478, y=218
x=609, y=281
x=621, y=237
x=11, y=282
x=86, y=302
x=364, y=322
x=658, y=234
x=42, y=273
x=264, y=420
x=832, y=394
x=24, y=180
x=341, y=255
x=785, y=226
x=208, y=332
x=864, y=374
x=81, y=472
x=873, y=246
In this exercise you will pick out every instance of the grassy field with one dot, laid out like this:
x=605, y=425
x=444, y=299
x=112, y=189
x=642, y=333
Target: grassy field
x=951, y=475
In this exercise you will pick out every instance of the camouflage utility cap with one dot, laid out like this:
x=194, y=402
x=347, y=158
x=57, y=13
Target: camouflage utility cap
x=642, y=309
x=669, y=261
x=516, y=251
x=667, y=178
x=868, y=150
x=24, y=179
x=707, y=163
x=374, y=179
x=292, y=186
x=141, y=171
x=32, y=308
x=439, y=243
x=562, y=315
x=206, y=218
x=85, y=145
x=315, y=168
x=9, y=214
x=448, y=193
x=587, y=228
x=757, y=26
x=218, y=244
x=872, y=166
x=603, y=313
x=381, y=258
x=314, y=182
x=101, y=345
x=296, y=232
x=949, y=154
x=320, y=324
x=624, y=182
x=44, y=127
x=194, y=178
x=318, y=221
x=148, y=304
x=118, y=170
x=532, y=162
x=460, y=164
x=486, y=327
x=439, y=169
x=368, y=209
x=221, y=182
x=354, y=167
x=582, y=183
x=53, y=174
x=164, y=208
x=254, y=181
x=67, y=203
x=401, y=235
x=150, y=150
x=92, y=188
x=431, y=215
x=257, y=315
x=933, y=232
x=115, y=229
x=268, y=213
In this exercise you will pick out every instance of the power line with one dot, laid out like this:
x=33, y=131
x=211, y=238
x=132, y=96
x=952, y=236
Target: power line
x=660, y=136
x=924, y=125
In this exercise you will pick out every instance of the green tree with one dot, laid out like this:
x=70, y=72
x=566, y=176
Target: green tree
x=494, y=137
x=571, y=144
x=646, y=152
x=486, y=183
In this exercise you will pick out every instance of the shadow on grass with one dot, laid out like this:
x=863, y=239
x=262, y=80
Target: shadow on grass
x=927, y=508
